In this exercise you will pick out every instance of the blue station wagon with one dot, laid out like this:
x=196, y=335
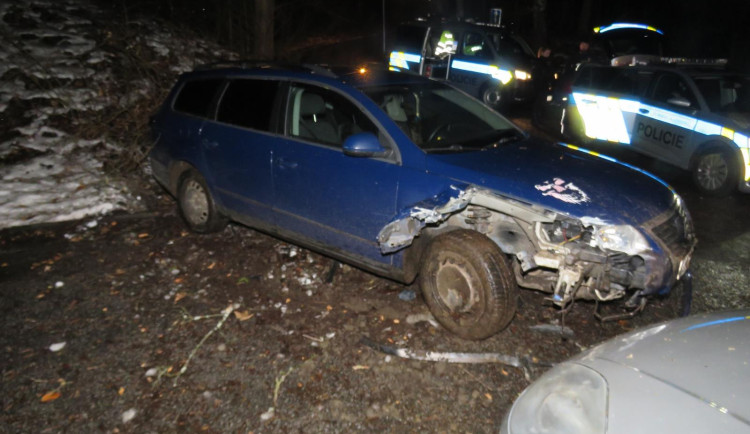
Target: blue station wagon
x=410, y=178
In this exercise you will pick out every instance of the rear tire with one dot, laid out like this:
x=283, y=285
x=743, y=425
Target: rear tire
x=468, y=284
x=197, y=206
x=715, y=171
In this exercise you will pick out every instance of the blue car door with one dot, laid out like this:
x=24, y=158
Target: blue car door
x=322, y=194
x=238, y=145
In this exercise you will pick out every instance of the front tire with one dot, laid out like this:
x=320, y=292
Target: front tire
x=492, y=96
x=197, y=206
x=715, y=172
x=468, y=284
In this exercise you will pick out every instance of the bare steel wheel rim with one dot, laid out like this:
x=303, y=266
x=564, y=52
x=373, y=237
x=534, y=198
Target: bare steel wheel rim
x=712, y=171
x=455, y=287
x=196, y=206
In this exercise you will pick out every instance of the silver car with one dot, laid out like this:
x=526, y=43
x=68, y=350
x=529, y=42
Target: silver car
x=689, y=375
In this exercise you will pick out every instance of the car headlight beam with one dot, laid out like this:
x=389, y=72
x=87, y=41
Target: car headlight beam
x=570, y=398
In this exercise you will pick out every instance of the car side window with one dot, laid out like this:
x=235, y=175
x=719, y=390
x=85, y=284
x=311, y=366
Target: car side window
x=474, y=45
x=248, y=103
x=196, y=96
x=671, y=86
x=324, y=116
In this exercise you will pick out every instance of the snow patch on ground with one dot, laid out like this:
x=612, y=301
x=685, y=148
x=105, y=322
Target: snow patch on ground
x=58, y=71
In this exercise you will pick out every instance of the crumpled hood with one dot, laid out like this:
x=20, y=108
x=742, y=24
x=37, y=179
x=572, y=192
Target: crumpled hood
x=568, y=181
x=705, y=356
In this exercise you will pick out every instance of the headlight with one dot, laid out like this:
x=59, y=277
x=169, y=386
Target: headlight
x=522, y=75
x=502, y=75
x=621, y=238
x=568, y=399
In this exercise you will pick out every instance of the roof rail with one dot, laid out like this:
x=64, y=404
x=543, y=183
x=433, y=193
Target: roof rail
x=264, y=64
x=647, y=59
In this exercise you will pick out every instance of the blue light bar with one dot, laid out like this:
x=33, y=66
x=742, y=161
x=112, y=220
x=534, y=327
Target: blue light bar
x=615, y=26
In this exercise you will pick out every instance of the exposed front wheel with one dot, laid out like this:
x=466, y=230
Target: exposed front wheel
x=468, y=284
x=715, y=172
x=196, y=205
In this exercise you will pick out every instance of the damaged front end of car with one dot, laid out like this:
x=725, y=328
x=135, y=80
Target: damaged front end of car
x=566, y=256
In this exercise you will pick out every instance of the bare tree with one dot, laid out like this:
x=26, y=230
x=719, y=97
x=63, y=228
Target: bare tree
x=264, y=48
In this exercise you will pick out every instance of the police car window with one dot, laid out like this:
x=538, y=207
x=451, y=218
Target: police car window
x=671, y=86
x=505, y=45
x=323, y=116
x=726, y=94
x=474, y=45
x=196, y=96
x=597, y=78
x=623, y=81
x=248, y=103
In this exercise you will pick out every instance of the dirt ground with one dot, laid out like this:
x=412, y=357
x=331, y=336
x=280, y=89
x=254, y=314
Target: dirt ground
x=169, y=331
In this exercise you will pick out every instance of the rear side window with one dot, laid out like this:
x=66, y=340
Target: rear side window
x=196, y=96
x=249, y=103
x=625, y=81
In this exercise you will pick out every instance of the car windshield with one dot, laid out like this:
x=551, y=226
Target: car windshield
x=728, y=95
x=439, y=118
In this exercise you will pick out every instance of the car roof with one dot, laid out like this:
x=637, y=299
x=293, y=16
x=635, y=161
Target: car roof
x=691, y=70
x=460, y=25
x=357, y=76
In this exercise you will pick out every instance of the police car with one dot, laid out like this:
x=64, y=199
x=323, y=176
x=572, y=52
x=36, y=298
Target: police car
x=695, y=117
x=483, y=60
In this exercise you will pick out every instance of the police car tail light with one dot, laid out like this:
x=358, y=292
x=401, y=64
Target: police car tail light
x=522, y=75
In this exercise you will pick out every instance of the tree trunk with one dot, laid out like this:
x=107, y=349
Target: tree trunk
x=584, y=25
x=264, y=29
x=540, y=22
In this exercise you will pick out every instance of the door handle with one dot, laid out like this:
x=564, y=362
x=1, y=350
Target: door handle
x=284, y=163
x=210, y=143
x=643, y=111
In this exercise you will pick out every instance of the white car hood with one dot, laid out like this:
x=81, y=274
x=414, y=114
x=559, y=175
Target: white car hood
x=704, y=356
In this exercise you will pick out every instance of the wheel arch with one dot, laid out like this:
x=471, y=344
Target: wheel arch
x=177, y=172
x=717, y=142
x=507, y=233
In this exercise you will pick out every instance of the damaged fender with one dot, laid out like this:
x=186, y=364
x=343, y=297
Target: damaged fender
x=408, y=224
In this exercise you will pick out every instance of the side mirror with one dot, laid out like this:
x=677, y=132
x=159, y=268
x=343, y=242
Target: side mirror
x=363, y=145
x=679, y=101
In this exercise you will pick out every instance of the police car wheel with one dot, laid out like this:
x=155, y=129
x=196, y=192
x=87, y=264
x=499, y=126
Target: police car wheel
x=715, y=172
x=197, y=206
x=468, y=284
x=492, y=96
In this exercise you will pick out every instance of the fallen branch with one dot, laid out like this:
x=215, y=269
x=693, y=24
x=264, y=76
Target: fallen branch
x=225, y=314
x=524, y=363
x=279, y=381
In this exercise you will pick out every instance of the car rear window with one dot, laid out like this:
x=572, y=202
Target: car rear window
x=249, y=103
x=621, y=80
x=196, y=96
